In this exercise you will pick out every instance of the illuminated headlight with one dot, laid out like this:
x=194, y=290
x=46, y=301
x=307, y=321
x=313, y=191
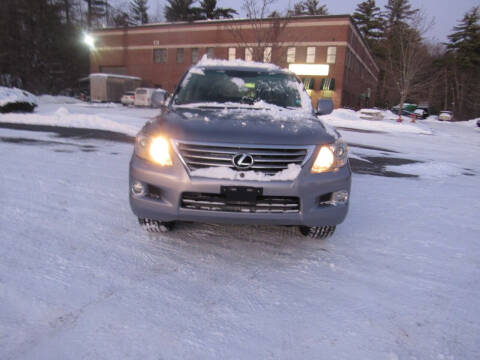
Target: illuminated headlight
x=331, y=157
x=155, y=149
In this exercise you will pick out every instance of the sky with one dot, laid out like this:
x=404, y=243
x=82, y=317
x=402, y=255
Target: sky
x=445, y=13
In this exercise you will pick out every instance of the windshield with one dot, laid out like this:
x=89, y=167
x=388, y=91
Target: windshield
x=243, y=87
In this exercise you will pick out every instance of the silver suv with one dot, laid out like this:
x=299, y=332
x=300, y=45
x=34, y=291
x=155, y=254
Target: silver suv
x=239, y=142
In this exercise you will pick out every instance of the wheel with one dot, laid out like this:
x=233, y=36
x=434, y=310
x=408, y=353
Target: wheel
x=155, y=226
x=318, y=232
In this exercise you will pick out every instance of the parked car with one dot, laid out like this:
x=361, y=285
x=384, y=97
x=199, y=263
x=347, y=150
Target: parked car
x=445, y=116
x=159, y=98
x=128, y=98
x=143, y=96
x=426, y=111
x=421, y=112
x=240, y=144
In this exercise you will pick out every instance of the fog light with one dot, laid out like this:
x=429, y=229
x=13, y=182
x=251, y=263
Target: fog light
x=340, y=197
x=137, y=188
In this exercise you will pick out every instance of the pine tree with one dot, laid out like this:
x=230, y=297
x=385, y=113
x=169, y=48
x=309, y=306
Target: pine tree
x=465, y=40
x=309, y=7
x=368, y=18
x=398, y=12
x=463, y=62
x=139, y=11
x=180, y=10
x=209, y=10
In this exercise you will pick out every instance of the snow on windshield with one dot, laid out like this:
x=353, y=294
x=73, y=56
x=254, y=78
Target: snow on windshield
x=241, y=86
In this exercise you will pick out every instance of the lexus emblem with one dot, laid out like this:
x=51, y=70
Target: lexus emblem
x=242, y=161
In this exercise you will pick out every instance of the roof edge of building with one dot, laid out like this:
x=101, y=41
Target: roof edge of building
x=219, y=21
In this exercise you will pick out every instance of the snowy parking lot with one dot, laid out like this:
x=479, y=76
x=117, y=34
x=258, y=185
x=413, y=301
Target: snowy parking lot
x=79, y=279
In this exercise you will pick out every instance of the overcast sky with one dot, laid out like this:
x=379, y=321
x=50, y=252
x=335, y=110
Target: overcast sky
x=445, y=12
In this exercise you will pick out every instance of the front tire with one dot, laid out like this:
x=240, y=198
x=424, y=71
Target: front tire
x=155, y=226
x=318, y=232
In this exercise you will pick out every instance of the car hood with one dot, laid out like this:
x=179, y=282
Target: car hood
x=242, y=126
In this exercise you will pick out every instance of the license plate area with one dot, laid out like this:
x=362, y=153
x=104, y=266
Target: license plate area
x=244, y=195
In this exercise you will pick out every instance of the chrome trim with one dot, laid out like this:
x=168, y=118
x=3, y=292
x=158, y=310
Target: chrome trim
x=308, y=148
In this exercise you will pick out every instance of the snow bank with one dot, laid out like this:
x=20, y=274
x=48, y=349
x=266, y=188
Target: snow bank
x=352, y=119
x=14, y=95
x=288, y=174
x=57, y=99
x=62, y=117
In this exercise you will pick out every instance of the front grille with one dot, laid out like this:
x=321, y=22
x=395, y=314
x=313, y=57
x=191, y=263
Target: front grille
x=218, y=202
x=266, y=159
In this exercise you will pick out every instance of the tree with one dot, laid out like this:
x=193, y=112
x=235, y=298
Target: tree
x=264, y=31
x=209, y=10
x=309, y=7
x=463, y=62
x=369, y=21
x=398, y=12
x=139, y=11
x=406, y=58
x=181, y=10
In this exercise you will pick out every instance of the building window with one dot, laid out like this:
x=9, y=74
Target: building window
x=159, y=56
x=267, y=55
x=210, y=52
x=180, y=53
x=309, y=83
x=310, y=54
x=194, y=55
x=232, y=53
x=248, y=54
x=331, y=54
x=291, y=55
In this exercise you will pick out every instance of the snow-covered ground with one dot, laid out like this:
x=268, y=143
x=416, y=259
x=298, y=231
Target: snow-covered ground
x=79, y=279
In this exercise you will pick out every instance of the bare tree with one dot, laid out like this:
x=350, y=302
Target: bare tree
x=264, y=33
x=406, y=57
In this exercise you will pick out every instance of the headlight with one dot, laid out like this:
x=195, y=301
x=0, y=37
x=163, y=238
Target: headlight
x=154, y=149
x=331, y=157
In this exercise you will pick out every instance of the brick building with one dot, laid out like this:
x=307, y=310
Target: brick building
x=327, y=52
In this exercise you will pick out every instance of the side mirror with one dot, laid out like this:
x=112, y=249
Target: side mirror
x=324, y=107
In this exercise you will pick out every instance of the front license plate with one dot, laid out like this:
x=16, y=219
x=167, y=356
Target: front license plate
x=241, y=194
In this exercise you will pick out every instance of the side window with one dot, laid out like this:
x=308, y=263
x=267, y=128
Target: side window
x=248, y=54
x=231, y=53
x=159, y=56
x=180, y=54
x=291, y=55
x=331, y=54
x=310, y=54
x=210, y=52
x=267, y=54
x=194, y=55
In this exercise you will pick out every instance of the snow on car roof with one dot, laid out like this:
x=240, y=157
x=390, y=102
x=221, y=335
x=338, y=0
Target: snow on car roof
x=237, y=63
x=12, y=95
x=114, y=75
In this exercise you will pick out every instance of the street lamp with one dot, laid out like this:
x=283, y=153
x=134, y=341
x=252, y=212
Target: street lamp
x=89, y=41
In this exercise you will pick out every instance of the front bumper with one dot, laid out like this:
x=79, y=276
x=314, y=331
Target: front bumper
x=173, y=181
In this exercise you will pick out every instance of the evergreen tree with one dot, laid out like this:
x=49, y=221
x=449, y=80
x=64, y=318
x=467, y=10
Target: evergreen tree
x=209, y=10
x=181, y=10
x=368, y=18
x=463, y=62
x=309, y=7
x=465, y=40
x=139, y=12
x=398, y=12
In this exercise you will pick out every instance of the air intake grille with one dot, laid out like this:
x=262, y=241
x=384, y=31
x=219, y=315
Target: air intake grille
x=266, y=159
x=218, y=202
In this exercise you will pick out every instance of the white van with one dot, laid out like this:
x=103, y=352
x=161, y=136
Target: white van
x=143, y=96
